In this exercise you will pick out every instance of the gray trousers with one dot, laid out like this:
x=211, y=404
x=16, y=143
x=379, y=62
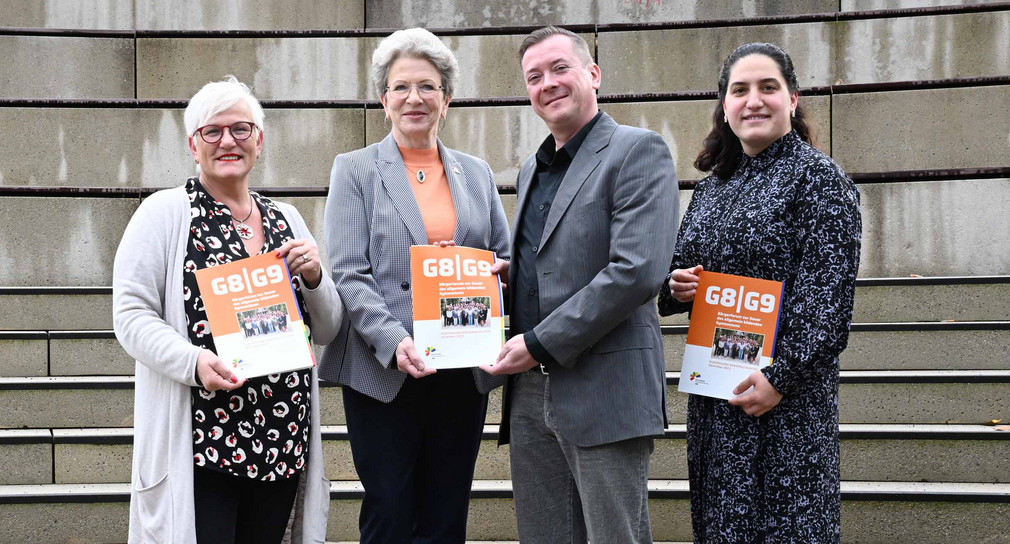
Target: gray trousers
x=566, y=493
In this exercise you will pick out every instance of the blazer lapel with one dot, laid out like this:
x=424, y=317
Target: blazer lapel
x=584, y=163
x=393, y=172
x=456, y=177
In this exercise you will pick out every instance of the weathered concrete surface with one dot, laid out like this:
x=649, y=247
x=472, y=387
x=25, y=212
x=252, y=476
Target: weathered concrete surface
x=72, y=522
x=23, y=357
x=919, y=130
x=922, y=522
x=884, y=304
x=970, y=403
x=933, y=350
x=26, y=464
x=249, y=15
x=941, y=228
x=690, y=59
x=888, y=460
x=275, y=68
x=92, y=463
x=80, y=14
x=88, y=357
x=66, y=408
x=74, y=67
x=824, y=53
x=866, y=5
x=921, y=48
x=456, y=13
x=55, y=312
x=148, y=147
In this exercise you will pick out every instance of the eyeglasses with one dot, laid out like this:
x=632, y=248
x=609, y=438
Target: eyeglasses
x=424, y=90
x=212, y=134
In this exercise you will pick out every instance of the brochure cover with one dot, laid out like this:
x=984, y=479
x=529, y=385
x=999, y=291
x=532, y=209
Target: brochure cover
x=457, y=306
x=254, y=317
x=734, y=321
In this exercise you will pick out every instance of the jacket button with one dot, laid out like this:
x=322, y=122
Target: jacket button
x=371, y=348
x=404, y=286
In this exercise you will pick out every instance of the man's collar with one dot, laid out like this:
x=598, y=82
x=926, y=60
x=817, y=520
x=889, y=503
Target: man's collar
x=548, y=152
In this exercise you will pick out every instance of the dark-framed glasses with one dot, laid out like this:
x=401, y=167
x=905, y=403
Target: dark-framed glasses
x=425, y=89
x=212, y=134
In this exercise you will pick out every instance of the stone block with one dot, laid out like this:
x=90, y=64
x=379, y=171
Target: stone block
x=689, y=59
x=456, y=13
x=79, y=252
x=922, y=48
x=936, y=228
x=950, y=460
x=867, y=5
x=147, y=147
x=76, y=522
x=94, y=463
x=78, y=14
x=966, y=403
x=70, y=356
x=958, y=302
x=67, y=407
x=28, y=456
x=24, y=355
x=275, y=68
x=249, y=15
x=926, y=350
x=56, y=311
x=922, y=522
x=684, y=125
x=96, y=68
x=922, y=129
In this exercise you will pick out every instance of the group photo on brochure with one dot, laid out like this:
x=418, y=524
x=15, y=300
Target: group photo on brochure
x=425, y=298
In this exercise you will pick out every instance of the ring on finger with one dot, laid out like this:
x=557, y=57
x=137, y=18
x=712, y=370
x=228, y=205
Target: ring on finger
x=305, y=258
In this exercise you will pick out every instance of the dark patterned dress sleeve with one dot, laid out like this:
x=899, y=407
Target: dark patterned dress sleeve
x=666, y=304
x=817, y=307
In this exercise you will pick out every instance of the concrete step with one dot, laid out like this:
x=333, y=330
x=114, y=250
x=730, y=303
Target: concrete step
x=965, y=345
x=894, y=512
x=941, y=453
x=883, y=397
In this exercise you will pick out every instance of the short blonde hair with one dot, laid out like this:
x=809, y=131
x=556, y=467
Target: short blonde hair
x=415, y=43
x=216, y=97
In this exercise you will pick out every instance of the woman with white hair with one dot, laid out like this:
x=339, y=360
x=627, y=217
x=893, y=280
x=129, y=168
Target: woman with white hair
x=217, y=459
x=414, y=433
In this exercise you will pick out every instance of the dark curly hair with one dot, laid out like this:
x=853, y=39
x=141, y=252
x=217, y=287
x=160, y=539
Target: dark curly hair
x=722, y=149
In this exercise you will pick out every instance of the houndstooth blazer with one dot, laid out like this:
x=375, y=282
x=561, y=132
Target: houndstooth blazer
x=371, y=220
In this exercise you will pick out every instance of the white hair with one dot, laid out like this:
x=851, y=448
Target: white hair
x=415, y=43
x=216, y=97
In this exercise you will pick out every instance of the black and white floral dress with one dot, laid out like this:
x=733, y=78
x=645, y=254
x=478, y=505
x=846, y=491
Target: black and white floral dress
x=261, y=429
x=788, y=214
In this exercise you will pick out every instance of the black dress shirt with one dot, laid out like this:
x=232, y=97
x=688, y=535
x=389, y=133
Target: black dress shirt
x=552, y=165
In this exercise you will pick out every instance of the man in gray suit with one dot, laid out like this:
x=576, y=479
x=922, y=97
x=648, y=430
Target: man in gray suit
x=595, y=226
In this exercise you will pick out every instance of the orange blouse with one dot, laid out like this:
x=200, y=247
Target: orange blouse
x=434, y=198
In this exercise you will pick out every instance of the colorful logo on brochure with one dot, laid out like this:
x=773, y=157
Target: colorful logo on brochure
x=428, y=351
x=235, y=362
x=694, y=375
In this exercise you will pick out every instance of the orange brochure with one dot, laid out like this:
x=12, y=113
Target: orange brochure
x=254, y=317
x=457, y=306
x=733, y=327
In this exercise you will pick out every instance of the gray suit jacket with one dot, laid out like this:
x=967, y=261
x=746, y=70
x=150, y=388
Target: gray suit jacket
x=605, y=249
x=371, y=220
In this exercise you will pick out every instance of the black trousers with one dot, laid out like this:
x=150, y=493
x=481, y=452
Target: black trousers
x=232, y=509
x=415, y=457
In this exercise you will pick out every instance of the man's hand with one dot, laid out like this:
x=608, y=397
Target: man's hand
x=408, y=360
x=501, y=268
x=513, y=359
x=758, y=402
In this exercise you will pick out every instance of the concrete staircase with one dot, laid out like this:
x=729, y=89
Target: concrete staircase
x=908, y=96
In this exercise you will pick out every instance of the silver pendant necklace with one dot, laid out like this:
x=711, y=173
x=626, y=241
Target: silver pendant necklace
x=243, y=230
x=419, y=176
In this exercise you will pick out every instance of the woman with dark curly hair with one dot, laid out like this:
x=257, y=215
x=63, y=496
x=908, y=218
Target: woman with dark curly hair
x=764, y=466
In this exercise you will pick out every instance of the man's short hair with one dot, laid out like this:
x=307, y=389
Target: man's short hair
x=579, y=45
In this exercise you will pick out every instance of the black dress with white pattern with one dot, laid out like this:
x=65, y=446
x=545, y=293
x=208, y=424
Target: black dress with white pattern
x=261, y=429
x=788, y=214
